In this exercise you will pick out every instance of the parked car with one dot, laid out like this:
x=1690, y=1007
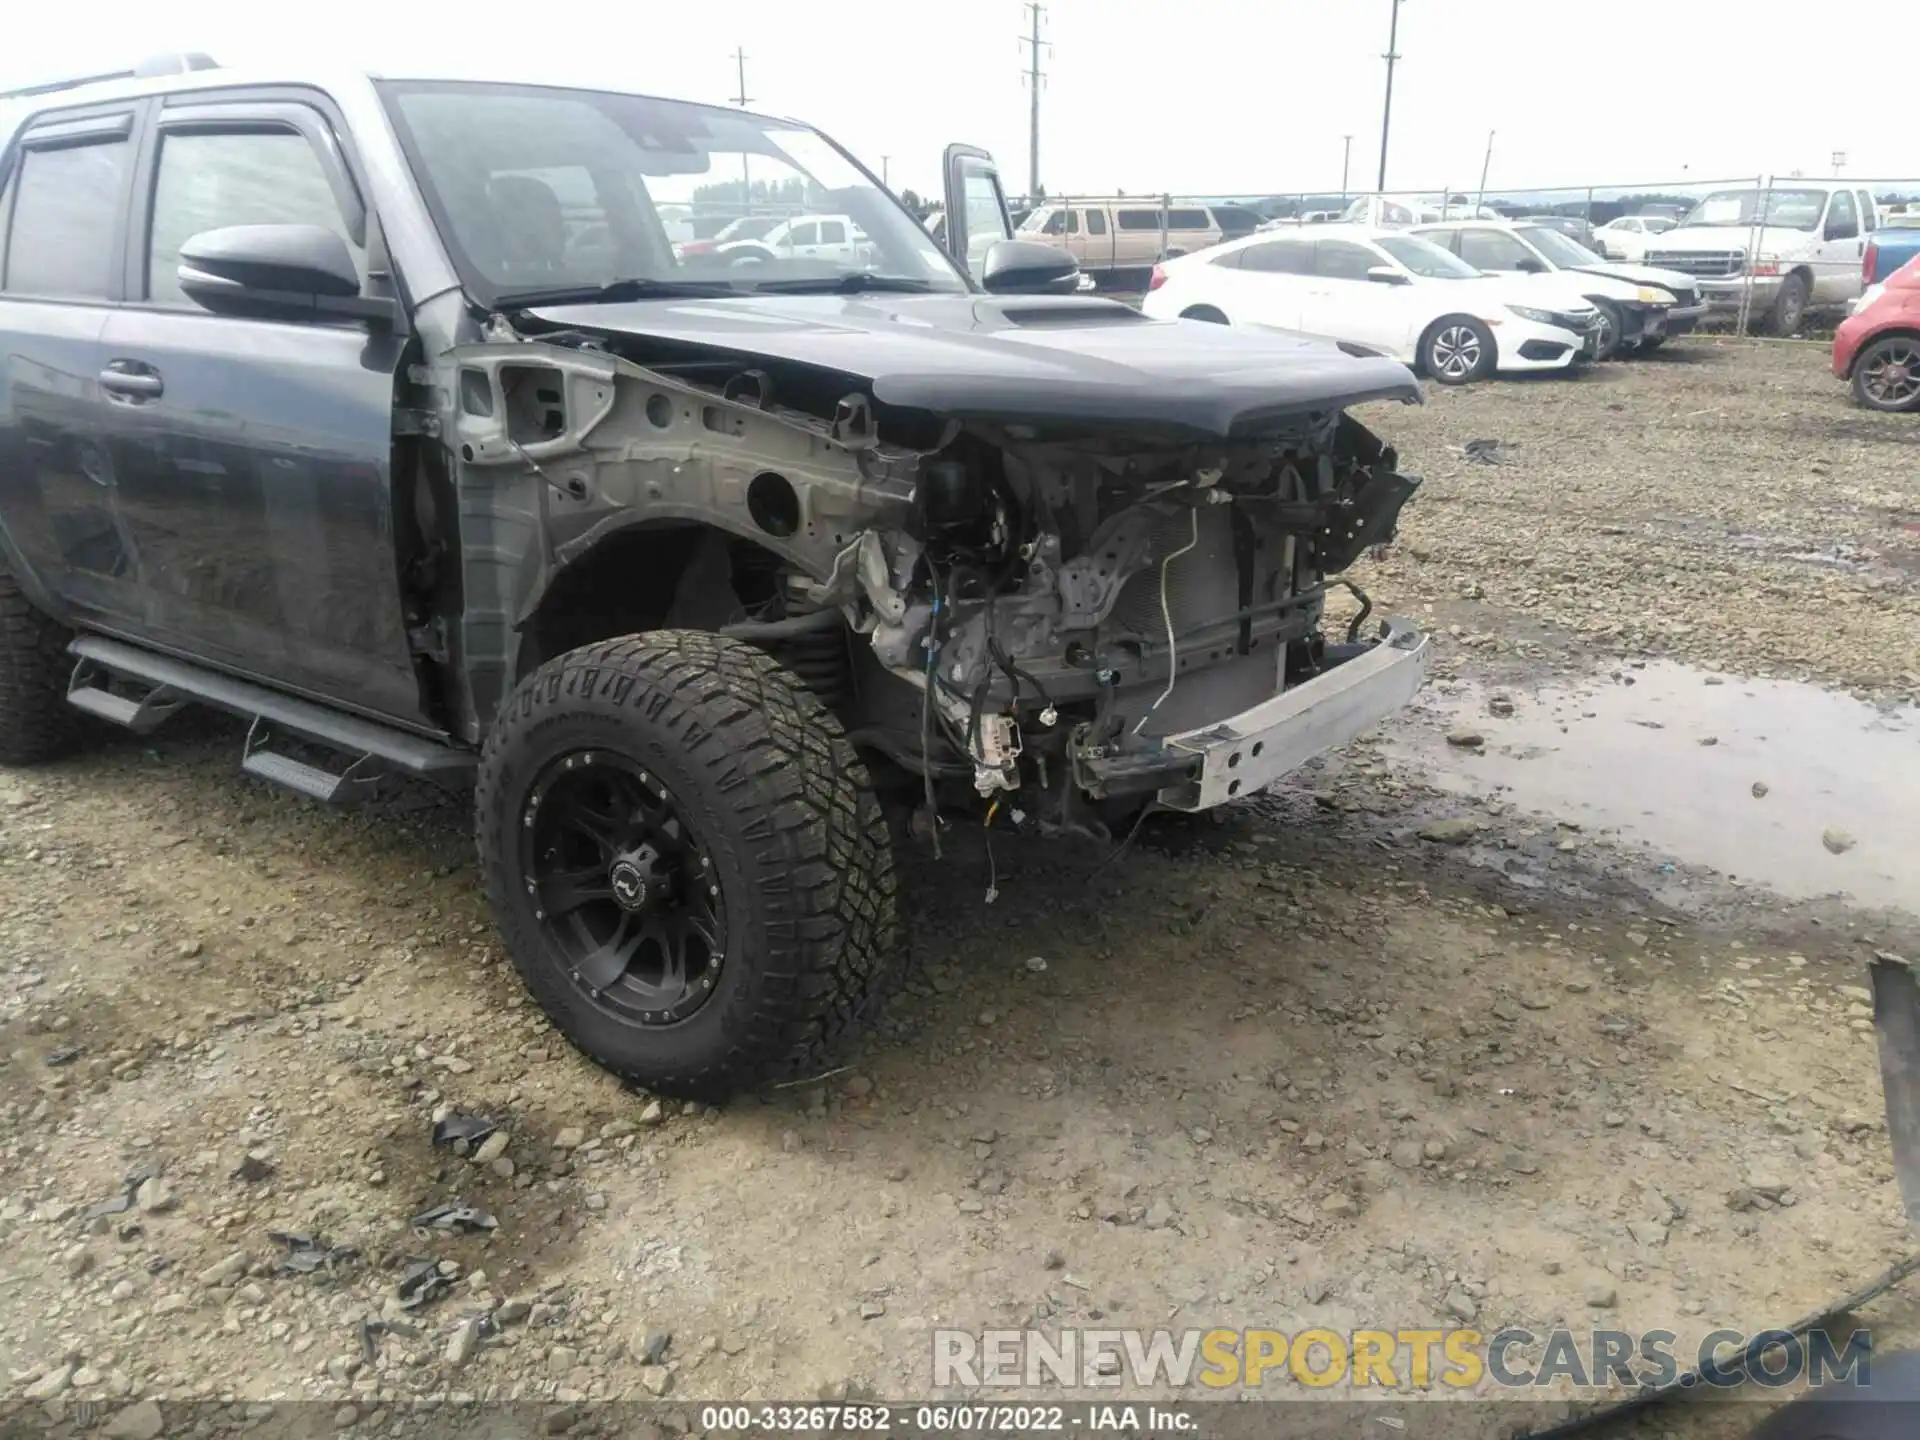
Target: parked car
x=1627, y=237
x=1386, y=290
x=680, y=562
x=1877, y=348
x=740, y=228
x=1781, y=251
x=1122, y=235
x=1574, y=227
x=1638, y=306
x=808, y=237
x=1889, y=249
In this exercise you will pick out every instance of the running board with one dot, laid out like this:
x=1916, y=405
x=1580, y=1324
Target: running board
x=369, y=748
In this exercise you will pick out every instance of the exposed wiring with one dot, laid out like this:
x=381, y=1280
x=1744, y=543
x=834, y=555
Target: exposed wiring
x=993, y=870
x=1120, y=849
x=1166, y=616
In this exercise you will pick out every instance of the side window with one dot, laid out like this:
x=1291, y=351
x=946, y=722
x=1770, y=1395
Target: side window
x=1189, y=220
x=832, y=232
x=1843, y=223
x=1445, y=239
x=1096, y=222
x=1279, y=257
x=210, y=181
x=1490, y=250
x=808, y=234
x=1343, y=260
x=66, y=209
x=1869, y=211
x=1056, y=223
x=1137, y=219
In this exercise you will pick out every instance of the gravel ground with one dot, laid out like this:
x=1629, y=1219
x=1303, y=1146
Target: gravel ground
x=1291, y=1066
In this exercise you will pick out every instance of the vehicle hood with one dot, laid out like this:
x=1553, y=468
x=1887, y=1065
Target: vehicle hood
x=1026, y=358
x=1559, y=289
x=1637, y=275
x=1729, y=237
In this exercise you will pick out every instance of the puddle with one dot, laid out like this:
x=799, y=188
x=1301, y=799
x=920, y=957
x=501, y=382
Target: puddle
x=1632, y=759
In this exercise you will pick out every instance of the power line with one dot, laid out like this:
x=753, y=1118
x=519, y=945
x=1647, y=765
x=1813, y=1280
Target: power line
x=1034, y=76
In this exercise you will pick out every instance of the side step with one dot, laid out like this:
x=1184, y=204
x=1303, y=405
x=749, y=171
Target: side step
x=372, y=749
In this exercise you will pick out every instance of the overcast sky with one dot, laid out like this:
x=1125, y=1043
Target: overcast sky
x=1198, y=96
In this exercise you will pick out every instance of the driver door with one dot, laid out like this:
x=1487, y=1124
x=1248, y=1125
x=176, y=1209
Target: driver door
x=977, y=214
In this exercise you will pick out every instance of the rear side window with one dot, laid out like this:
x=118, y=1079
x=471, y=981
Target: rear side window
x=207, y=182
x=1279, y=257
x=66, y=212
x=1096, y=222
x=1137, y=219
x=1342, y=260
x=1869, y=211
x=1189, y=220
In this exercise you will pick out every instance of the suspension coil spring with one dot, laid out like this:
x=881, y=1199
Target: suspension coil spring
x=820, y=658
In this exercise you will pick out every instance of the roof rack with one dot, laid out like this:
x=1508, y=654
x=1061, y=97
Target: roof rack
x=158, y=65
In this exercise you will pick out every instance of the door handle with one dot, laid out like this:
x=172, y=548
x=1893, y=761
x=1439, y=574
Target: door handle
x=132, y=380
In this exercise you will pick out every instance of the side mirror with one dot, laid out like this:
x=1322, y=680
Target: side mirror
x=275, y=270
x=1386, y=275
x=1527, y=265
x=1842, y=230
x=1026, y=267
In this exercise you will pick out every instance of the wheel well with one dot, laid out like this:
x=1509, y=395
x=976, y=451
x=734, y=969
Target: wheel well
x=1899, y=332
x=647, y=577
x=1211, y=314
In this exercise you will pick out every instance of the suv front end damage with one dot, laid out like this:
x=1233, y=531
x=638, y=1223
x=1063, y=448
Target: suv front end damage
x=1018, y=591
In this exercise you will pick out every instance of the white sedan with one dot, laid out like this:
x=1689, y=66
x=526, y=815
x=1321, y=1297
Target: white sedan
x=1627, y=237
x=1383, y=289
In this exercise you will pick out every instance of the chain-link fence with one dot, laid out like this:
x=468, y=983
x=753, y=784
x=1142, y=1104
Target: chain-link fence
x=1764, y=251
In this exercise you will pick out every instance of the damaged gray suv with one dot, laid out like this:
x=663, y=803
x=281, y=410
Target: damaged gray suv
x=389, y=416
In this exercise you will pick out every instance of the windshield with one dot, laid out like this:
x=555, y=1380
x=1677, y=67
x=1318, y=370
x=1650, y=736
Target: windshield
x=1559, y=247
x=539, y=192
x=1787, y=209
x=1426, y=259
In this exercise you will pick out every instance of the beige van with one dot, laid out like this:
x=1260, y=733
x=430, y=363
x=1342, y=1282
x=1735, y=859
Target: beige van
x=1122, y=233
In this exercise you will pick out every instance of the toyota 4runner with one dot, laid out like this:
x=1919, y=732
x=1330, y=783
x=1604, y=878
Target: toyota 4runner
x=321, y=408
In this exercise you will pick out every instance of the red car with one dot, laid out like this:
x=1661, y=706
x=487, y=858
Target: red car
x=1878, y=347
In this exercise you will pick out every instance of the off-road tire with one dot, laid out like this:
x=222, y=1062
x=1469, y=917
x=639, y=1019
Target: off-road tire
x=782, y=803
x=1789, y=306
x=36, y=723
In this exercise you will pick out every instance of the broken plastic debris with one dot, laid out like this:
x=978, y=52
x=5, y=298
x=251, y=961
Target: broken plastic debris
x=470, y=1129
x=1485, y=452
x=422, y=1284
x=308, y=1253
x=122, y=1202
x=455, y=1218
x=64, y=1056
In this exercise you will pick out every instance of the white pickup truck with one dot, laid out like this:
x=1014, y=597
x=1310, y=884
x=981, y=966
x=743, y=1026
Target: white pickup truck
x=1794, y=245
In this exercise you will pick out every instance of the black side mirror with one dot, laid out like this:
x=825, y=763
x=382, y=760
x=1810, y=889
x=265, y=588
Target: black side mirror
x=1385, y=275
x=1026, y=267
x=275, y=270
x=1842, y=230
x=1527, y=265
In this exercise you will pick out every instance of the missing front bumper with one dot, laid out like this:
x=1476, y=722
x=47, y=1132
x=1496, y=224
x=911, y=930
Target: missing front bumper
x=1226, y=759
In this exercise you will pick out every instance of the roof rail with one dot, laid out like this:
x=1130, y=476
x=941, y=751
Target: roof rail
x=158, y=65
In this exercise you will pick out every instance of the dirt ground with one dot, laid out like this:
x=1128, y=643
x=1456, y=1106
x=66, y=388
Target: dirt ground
x=1294, y=1065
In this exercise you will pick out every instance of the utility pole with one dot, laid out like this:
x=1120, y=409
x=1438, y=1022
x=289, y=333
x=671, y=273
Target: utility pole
x=1485, y=165
x=1034, y=76
x=743, y=100
x=1386, y=110
x=1346, y=158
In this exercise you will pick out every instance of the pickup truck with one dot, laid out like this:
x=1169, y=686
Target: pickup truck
x=319, y=407
x=1778, y=251
x=1887, y=251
